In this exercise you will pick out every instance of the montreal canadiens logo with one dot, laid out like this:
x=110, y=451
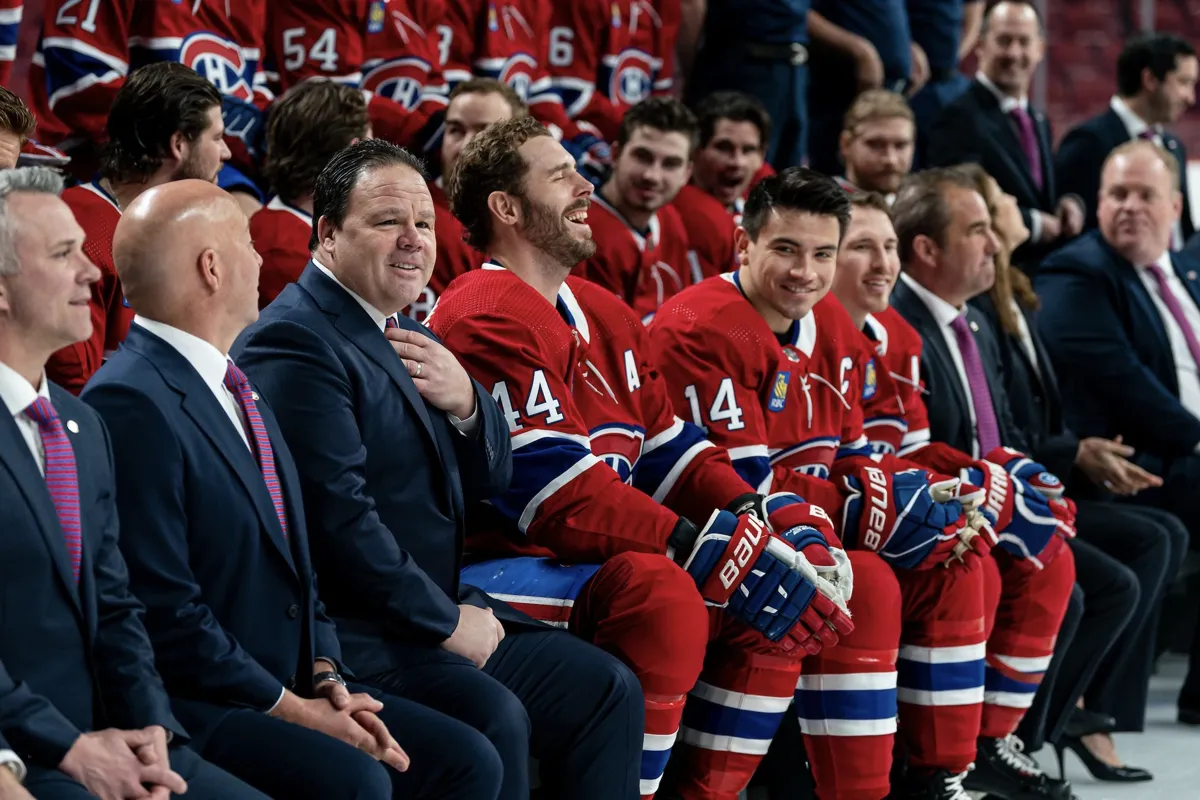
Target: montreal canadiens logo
x=619, y=447
x=402, y=80
x=632, y=78
x=518, y=73
x=218, y=60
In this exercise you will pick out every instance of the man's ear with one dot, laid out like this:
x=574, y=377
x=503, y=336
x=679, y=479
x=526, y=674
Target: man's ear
x=5, y=306
x=925, y=248
x=179, y=146
x=326, y=234
x=741, y=243
x=505, y=208
x=210, y=268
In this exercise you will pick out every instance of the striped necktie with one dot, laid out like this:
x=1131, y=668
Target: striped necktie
x=61, y=477
x=389, y=323
x=236, y=382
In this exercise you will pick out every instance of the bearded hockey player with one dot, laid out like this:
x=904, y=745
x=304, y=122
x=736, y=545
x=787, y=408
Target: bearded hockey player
x=622, y=522
x=1025, y=593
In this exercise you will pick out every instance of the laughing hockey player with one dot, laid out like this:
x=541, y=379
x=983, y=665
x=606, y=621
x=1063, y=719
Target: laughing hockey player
x=622, y=522
x=778, y=374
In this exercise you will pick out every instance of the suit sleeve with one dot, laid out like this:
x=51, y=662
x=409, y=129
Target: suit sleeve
x=191, y=648
x=557, y=480
x=1082, y=331
x=87, y=59
x=1077, y=170
x=124, y=658
x=32, y=725
x=312, y=397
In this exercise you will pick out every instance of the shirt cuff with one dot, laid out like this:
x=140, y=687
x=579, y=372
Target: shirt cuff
x=468, y=426
x=282, y=692
x=1035, y=226
x=12, y=762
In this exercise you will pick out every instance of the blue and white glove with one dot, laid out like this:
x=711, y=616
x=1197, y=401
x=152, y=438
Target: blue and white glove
x=245, y=122
x=759, y=578
x=1021, y=466
x=593, y=157
x=1035, y=534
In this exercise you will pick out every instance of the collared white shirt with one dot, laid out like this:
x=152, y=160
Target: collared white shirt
x=1136, y=126
x=208, y=361
x=1187, y=372
x=1026, y=338
x=464, y=426
x=944, y=314
x=18, y=394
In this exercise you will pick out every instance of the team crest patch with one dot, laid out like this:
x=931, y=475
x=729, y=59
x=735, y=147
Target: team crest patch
x=779, y=391
x=869, y=381
x=376, y=17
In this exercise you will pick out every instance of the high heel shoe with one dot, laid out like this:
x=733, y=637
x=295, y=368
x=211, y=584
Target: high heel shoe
x=1084, y=722
x=1098, y=769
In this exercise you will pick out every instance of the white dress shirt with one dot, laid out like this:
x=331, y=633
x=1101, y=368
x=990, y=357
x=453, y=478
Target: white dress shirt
x=1136, y=127
x=944, y=314
x=18, y=394
x=1026, y=338
x=1009, y=104
x=209, y=362
x=464, y=426
x=1186, y=370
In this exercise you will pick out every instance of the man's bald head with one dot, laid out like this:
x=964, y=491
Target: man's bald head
x=183, y=250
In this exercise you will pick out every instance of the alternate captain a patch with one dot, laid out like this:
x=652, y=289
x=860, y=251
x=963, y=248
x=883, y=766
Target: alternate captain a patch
x=869, y=381
x=779, y=391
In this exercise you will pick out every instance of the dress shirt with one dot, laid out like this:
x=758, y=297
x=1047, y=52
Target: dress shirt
x=18, y=394
x=1009, y=104
x=1186, y=370
x=13, y=763
x=1026, y=338
x=464, y=426
x=1136, y=127
x=209, y=362
x=944, y=314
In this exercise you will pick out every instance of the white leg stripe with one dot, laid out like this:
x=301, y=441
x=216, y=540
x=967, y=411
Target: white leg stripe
x=1024, y=663
x=725, y=744
x=848, y=727
x=1009, y=699
x=947, y=697
x=943, y=655
x=649, y=787
x=834, y=683
x=659, y=741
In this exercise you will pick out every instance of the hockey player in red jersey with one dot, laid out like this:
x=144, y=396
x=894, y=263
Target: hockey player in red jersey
x=1023, y=603
x=606, y=56
x=88, y=49
x=641, y=244
x=596, y=531
x=389, y=48
x=310, y=123
x=165, y=125
x=10, y=28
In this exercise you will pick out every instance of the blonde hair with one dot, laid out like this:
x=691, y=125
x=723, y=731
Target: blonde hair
x=874, y=105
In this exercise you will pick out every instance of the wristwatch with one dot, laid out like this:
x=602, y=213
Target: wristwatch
x=13, y=763
x=322, y=677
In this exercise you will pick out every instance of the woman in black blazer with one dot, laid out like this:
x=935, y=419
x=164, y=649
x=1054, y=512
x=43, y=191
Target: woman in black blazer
x=1122, y=554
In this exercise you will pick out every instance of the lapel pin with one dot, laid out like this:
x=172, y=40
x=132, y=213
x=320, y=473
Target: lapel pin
x=72, y=426
x=974, y=327
x=254, y=396
x=1191, y=276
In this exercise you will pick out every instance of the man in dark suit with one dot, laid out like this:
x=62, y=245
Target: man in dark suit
x=993, y=124
x=214, y=531
x=1121, y=322
x=83, y=711
x=1156, y=84
x=948, y=248
x=392, y=438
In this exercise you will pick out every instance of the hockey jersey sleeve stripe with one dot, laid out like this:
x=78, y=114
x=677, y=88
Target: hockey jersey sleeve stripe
x=664, y=489
x=914, y=440
x=898, y=423
x=573, y=93
x=859, y=447
x=665, y=437
x=753, y=464
x=548, y=491
x=543, y=463
x=74, y=51
x=528, y=438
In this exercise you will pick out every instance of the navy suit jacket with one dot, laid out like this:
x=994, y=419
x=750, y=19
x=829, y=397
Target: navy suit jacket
x=949, y=412
x=231, y=604
x=1081, y=155
x=385, y=476
x=1111, y=350
x=974, y=129
x=72, y=658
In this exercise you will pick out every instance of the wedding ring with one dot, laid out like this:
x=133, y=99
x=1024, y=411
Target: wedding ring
x=419, y=365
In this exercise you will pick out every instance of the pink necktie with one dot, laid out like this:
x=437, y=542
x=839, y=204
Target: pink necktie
x=986, y=428
x=236, y=382
x=61, y=477
x=1029, y=143
x=1172, y=303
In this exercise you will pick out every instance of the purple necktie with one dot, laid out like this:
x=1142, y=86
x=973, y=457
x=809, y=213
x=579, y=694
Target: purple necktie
x=389, y=323
x=1029, y=143
x=986, y=429
x=61, y=478
x=236, y=382
x=1172, y=303
x=1147, y=134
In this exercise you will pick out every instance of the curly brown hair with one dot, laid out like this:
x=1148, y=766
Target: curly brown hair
x=308, y=125
x=491, y=162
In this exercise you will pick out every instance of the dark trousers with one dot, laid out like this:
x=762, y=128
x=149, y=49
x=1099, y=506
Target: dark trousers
x=780, y=86
x=542, y=693
x=449, y=759
x=204, y=781
x=1040, y=720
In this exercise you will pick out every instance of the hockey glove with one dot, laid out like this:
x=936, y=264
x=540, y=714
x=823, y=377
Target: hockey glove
x=245, y=123
x=1035, y=475
x=1035, y=534
x=978, y=536
x=593, y=157
x=897, y=516
x=760, y=579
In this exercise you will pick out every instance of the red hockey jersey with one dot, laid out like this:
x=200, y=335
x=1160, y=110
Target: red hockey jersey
x=644, y=269
x=280, y=233
x=454, y=256
x=98, y=215
x=10, y=30
x=782, y=406
x=710, y=232
x=608, y=55
x=601, y=465
x=899, y=426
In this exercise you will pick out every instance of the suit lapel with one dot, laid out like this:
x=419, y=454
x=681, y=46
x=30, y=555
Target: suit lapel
x=912, y=307
x=202, y=407
x=1004, y=131
x=1045, y=154
x=31, y=483
x=1188, y=277
x=357, y=326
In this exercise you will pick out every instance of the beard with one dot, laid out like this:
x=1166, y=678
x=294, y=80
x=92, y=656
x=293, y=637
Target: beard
x=547, y=230
x=192, y=168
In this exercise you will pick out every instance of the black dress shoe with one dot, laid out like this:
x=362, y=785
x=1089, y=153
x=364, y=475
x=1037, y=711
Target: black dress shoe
x=1002, y=768
x=1098, y=769
x=1085, y=722
x=1189, y=716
